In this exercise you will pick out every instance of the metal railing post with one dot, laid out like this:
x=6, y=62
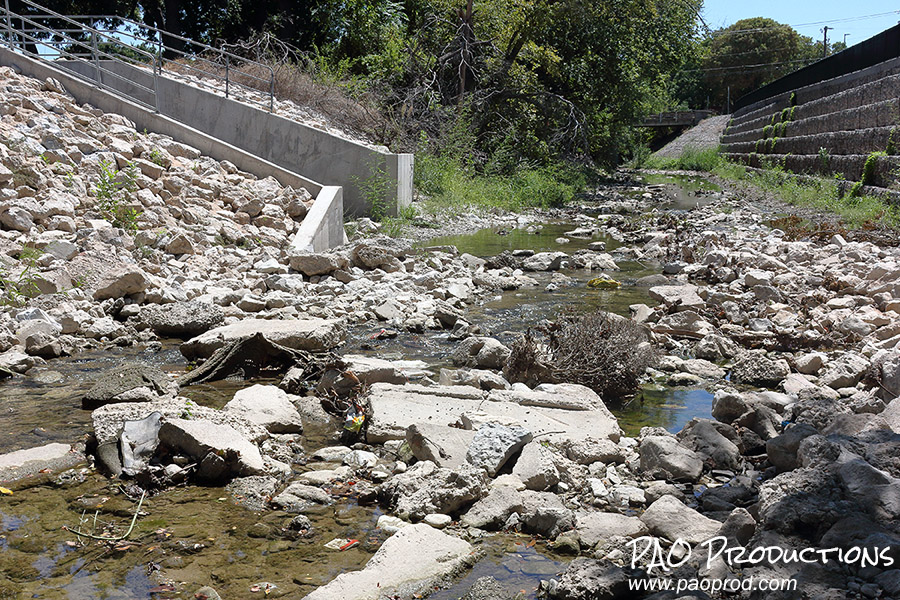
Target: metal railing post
x=272, y=93
x=227, y=74
x=95, y=55
x=9, y=36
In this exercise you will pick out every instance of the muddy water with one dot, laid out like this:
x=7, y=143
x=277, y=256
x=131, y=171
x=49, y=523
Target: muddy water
x=199, y=536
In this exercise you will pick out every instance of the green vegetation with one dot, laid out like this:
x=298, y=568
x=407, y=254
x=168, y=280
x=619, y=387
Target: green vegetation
x=891, y=147
x=451, y=185
x=818, y=193
x=692, y=159
x=111, y=191
x=17, y=281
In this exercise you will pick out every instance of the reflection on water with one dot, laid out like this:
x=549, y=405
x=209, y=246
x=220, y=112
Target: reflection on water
x=520, y=570
x=659, y=406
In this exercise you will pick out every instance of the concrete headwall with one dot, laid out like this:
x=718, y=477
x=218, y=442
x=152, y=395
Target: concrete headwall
x=318, y=154
x=325, y=230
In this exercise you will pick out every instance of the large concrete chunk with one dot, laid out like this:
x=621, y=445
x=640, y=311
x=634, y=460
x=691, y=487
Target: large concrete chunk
x=121, y=281
x=313, y=335
x=408, y=563
x=592, y=527
x=203, y=440
x=443, y=445
x=396, y=407
x=563, y=396
x=494, y=444
x=671, y=519
x=682, y=297
x=184, y=319
x=535, y=467
x=25, y=463
x=268, y=406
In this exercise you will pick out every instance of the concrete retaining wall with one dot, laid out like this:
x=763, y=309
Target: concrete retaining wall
x=326, y=158
x=830, y=127
x=320, y=233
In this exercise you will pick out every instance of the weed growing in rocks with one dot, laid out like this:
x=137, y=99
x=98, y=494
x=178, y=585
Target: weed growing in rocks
x=112, y=187
x=600, y=350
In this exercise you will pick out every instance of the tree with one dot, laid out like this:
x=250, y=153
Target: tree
x=751, y=53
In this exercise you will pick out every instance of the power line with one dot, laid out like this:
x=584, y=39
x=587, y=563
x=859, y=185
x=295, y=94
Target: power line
x=748, y=67
x=812, y=24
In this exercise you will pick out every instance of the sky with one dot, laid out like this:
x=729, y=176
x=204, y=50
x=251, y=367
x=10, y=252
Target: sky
x=809, y=18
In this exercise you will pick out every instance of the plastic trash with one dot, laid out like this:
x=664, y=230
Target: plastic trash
x=342, y=544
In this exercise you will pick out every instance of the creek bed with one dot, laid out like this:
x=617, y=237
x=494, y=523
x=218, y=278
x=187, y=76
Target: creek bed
x=198, y=534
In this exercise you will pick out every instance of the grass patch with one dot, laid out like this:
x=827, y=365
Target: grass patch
x=452, y=186
x=856, y=212
x=692, y=159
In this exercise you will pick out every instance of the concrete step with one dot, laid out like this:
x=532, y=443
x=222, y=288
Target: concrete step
x=885, y=88
x=823, y=89
x=870, y=116
x=860, y=141
x=849, y=166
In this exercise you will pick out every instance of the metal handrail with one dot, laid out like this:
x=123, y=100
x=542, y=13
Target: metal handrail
x=23, y=34
x=224, y=55
x=88, y=24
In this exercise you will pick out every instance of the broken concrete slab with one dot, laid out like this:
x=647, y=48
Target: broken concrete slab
x=409, y=562
x=396, y=407
x=201, y=439
x=312, y=335
x=21, y=464
x=443, y=445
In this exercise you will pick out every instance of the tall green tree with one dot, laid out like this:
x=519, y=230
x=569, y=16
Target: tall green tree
x=751, y=53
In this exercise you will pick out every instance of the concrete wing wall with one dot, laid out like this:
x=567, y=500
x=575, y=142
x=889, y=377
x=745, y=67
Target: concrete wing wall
x=325, y=227
x=317, y=154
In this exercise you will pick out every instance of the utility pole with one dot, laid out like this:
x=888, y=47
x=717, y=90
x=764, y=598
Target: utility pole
x=845, y=39
x=825, y=42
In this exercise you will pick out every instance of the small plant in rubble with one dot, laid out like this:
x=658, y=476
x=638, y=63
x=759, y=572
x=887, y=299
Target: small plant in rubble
x=113, y=187
x=600, y=350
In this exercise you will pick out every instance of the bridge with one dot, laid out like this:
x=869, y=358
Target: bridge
x=677, y=118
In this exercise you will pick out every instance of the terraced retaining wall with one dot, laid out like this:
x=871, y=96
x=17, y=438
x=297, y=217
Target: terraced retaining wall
x=830, y=128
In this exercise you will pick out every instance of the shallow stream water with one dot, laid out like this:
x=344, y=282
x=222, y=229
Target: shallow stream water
x=199, y=535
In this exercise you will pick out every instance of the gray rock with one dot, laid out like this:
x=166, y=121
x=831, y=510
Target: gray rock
x=184, y=319
x=488, y=588
x=129, y=383
x=845, y=371
x=202, y=440
x=492, y=511
x=480, y=378
x=543, y=513
x=589, y=579
x=782, y=450
x=316, y=264
x=545, y=261
x=267, y=406
x=426, y=488
x=716, y=443
x=805, y=499
x=587, y=451
x=254, y=492
x=670, y=518
x=728, y=405
x=313, y=335
x=360, y=459
x=663, y=456
x=443, y=445
x=395, y=408
x=16, y=219
x=875, y=490
x=681, y=297
x=298, y=497
x=494, y=444
x=594, y=527
x=481, y=352
x=756, y=369
x=566, y=396
x=121, y=281
x=535, y=467
x=31, y=461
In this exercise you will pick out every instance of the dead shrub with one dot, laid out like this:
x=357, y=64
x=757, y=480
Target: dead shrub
x=600, y=350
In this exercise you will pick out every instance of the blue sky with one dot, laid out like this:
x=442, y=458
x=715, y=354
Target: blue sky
x=845, y=17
